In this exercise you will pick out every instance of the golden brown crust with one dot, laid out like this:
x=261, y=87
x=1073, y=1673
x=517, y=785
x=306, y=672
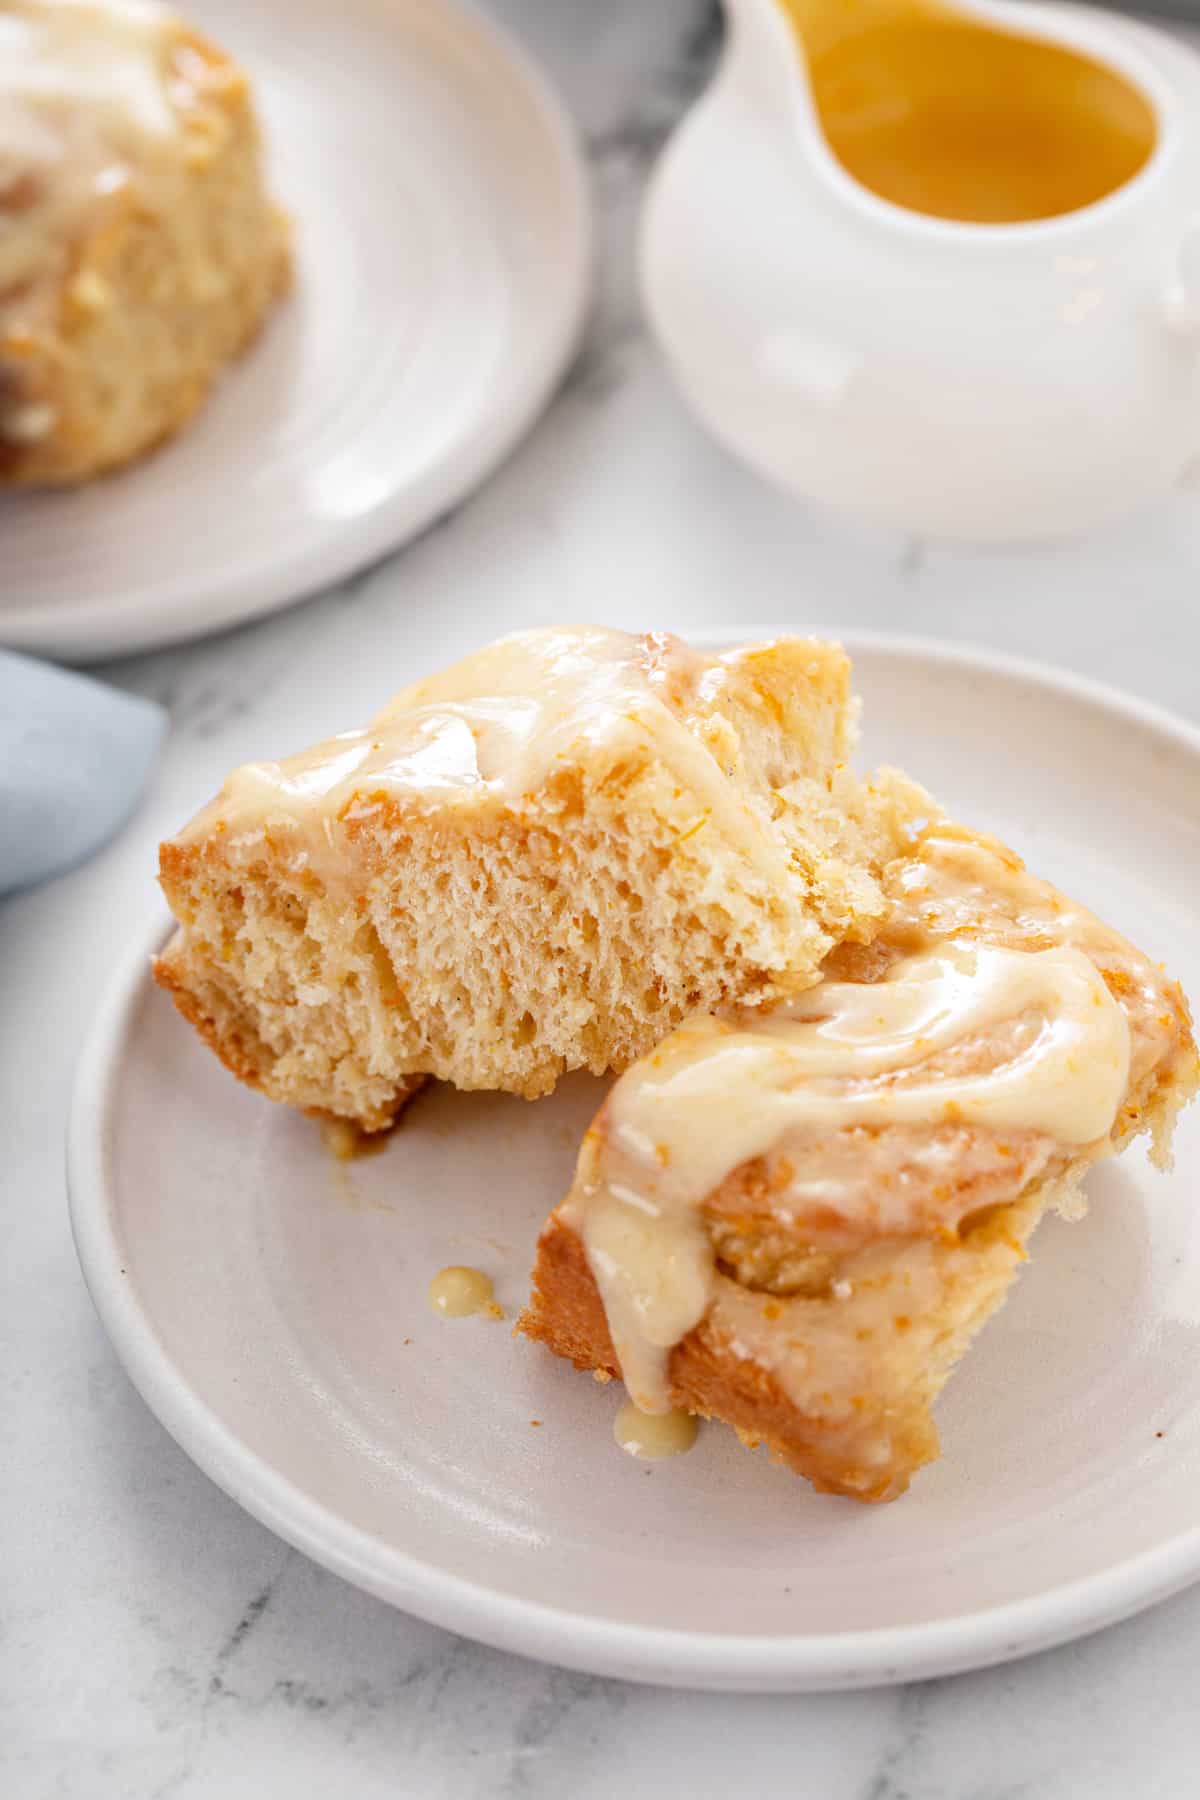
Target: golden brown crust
x=708, y=1377
x=229, y=1045
x=246, y=1057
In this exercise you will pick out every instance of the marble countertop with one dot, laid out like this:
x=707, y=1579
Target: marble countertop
x=157, y=1641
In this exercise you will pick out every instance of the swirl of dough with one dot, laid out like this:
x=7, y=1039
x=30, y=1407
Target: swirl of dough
x=1028, y=1043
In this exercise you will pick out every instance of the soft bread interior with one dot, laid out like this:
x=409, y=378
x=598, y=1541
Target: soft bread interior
x=499, y=944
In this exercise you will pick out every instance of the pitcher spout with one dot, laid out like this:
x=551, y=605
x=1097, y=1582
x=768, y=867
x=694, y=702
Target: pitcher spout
x=762, y=59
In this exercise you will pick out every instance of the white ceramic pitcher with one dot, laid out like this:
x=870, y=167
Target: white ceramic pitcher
x=961, y=380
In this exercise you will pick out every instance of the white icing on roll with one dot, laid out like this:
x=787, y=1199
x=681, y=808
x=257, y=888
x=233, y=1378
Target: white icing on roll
x=1050, y=1055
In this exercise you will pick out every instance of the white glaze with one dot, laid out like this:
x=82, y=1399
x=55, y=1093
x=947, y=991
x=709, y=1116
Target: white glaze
x=495, y=726
x=459, y=1292
x=654, y=1435
x=720, y=1093
x=84, y=104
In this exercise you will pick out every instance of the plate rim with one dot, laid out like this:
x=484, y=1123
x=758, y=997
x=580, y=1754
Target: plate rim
x=71, y=632
x=666, y=1656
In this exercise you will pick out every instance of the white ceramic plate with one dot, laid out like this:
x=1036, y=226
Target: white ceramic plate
x=271, y=1309
x=442, y=241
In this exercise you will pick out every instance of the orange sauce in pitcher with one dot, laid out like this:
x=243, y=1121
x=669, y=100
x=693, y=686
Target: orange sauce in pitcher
x=944, y=115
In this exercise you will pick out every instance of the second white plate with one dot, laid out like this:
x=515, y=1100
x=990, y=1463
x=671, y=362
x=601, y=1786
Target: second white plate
x=443, y=257
x=271, y=1308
